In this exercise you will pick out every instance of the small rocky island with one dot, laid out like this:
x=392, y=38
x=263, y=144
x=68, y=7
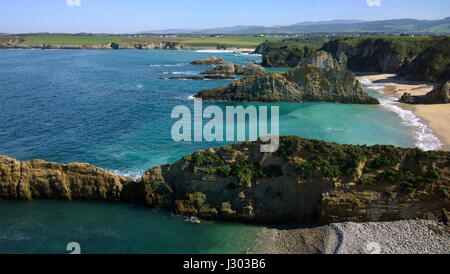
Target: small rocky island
x=229, y=68
x=213, y=60
x=222, y=70
x=318, y=78
x=304, y=181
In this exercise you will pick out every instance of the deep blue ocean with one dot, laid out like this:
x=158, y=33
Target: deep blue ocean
x=110, y=109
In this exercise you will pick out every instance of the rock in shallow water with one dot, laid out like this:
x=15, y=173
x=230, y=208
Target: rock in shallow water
x=213, y=60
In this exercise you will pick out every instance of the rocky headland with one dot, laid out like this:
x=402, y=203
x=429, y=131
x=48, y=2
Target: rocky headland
x=318, y=78
x=414, y=58
x=439, y=95
x=304, y=181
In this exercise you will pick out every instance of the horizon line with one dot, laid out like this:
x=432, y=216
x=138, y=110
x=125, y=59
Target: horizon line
x=219, y=27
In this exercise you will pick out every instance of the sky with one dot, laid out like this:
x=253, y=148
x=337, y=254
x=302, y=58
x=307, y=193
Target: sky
x=131, y=16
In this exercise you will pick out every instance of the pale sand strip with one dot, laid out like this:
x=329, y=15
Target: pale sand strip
x=396, y=87
x=437, y=117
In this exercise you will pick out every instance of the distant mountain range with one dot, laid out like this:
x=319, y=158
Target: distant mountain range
x=335, y=26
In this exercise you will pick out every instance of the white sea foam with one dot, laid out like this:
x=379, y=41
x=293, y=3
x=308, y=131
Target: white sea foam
x=166, y=65
x=214, y=51
x=237, y=52
x=372, y=85
x=191, y=97
x=179, y=72
x=193, y=220
x=426, y=140
x=135, y=174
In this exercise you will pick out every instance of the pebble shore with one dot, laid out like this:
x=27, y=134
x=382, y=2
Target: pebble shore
x=399, y=237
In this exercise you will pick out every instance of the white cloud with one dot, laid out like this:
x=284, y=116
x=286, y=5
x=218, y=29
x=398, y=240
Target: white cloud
x=77, y=3
x=373, y=3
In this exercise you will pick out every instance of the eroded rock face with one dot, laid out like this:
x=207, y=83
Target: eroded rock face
x=253, y=69
x=439, y=95
x=323, y=60
x=12, y=42
x=268, y=88
x=213, y=60
x=229, y=68
x=39, y=179
x=301, y=84
x=319, y=78
x=421, y=60
x=305, y=180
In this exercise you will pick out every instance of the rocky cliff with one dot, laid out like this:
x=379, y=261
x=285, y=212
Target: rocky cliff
x=417, y=59
x=316, y=79
x=284, y=54
x=439, y=95
x=414, y=58
x=39, y=179
x=305, y=180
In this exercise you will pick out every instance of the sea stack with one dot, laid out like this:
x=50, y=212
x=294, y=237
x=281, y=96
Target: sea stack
x=318, y=78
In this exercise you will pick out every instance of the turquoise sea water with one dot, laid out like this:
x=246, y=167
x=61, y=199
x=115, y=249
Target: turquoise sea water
x=110, y=109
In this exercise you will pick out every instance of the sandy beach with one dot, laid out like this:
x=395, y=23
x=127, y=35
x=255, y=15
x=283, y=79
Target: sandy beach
x=436, y=117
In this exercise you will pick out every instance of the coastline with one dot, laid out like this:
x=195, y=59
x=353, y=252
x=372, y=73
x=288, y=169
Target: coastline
x=435, y=117
x=399, y=237
x=107, y=47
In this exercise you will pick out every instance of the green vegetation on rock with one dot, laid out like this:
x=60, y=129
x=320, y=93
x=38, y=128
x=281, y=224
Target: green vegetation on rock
x=318, y=78
x=305, y=181
x=415, y=58
x=421, y=58
x=286, y=54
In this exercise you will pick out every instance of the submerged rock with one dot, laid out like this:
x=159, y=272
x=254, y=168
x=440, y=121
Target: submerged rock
x=225, y=68
x=213, y=60
x=304, y=181
x=253, y=69
x=439, y=95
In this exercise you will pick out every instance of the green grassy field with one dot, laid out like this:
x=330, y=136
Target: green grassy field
x=355, y=41
x=70, y=40
x=237, y=41
x=241, y=41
